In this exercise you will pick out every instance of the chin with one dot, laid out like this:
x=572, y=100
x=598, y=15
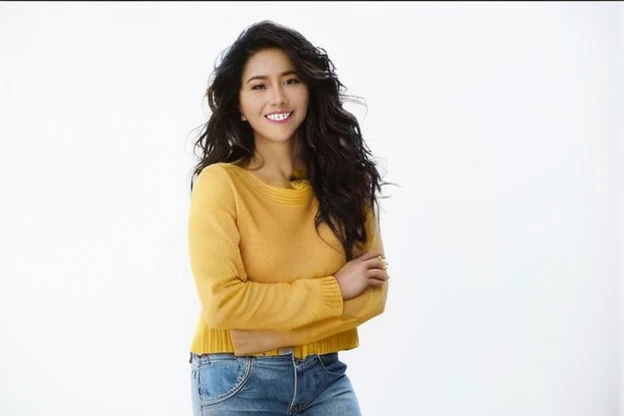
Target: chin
x=280, y=137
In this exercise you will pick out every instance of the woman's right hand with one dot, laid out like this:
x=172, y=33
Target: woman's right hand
x=367, y=270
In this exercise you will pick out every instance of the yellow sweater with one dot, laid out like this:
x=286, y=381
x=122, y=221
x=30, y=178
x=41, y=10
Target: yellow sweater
x=263, y=275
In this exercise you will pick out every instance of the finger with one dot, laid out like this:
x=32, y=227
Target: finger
x=383, y=261
x=370, y=255
x=376, y=262
x=377, y=274
x=376, y=282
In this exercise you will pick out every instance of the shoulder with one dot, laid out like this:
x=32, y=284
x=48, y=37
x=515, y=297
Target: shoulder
x=217, y=182
x=215, y=175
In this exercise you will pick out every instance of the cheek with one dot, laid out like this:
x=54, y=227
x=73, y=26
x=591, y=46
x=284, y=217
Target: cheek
x=304, y=101
x=306, y=97
x=247, y=103
x=305, y=104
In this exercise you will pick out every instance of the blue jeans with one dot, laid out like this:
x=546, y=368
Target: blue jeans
x=281, y=385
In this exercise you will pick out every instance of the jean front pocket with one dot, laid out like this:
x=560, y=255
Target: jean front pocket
x=217, y=377
x=332, y=364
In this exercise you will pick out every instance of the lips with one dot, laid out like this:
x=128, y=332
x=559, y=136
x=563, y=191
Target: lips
x=279, y=117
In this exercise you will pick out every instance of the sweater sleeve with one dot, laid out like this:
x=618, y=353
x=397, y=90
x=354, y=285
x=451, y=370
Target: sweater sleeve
x=228, y=298
x=356, y=311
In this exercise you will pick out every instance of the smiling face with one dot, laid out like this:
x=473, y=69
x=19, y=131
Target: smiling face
x=272, y=97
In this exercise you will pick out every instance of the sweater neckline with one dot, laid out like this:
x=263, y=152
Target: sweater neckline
x=300, y=192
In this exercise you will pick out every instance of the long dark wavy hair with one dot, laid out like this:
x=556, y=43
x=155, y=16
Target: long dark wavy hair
x=330, y=146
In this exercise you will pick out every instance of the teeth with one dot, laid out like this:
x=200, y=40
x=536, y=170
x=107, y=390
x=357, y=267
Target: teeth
x=278, y=117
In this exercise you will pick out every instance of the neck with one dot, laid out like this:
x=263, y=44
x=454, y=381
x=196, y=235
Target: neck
x=275, y=160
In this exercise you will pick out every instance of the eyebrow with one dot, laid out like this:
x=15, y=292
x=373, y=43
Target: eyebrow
x=283, y=74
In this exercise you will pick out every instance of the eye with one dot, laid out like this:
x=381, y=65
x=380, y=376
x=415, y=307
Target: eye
x=258, y=87
x=292, y=81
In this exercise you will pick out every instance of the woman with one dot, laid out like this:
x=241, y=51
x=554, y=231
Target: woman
x=284, y=242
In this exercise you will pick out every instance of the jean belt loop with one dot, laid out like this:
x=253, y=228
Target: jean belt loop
x=286, y=351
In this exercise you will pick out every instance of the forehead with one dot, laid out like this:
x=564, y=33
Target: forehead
x=268, y=62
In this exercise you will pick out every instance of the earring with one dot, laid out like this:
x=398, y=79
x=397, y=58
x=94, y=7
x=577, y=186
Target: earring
x=243, y=118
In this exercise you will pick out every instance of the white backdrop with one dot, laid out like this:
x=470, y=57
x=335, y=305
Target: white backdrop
x=499, y=122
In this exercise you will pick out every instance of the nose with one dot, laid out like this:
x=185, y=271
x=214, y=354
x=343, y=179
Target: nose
x=279, y=97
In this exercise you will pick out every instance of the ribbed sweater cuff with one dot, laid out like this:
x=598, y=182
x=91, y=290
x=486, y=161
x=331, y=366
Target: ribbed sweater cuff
x=332, y=296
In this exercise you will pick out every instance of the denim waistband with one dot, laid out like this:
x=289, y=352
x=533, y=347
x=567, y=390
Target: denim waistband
x=286, y=351
x=279, y=352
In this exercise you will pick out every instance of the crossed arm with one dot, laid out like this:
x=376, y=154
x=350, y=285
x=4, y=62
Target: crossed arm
x=356, y=311
x=264, y=316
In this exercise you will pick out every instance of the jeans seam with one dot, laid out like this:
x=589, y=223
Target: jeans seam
x=291, y=410
x=239, y=386
x=331, y=373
